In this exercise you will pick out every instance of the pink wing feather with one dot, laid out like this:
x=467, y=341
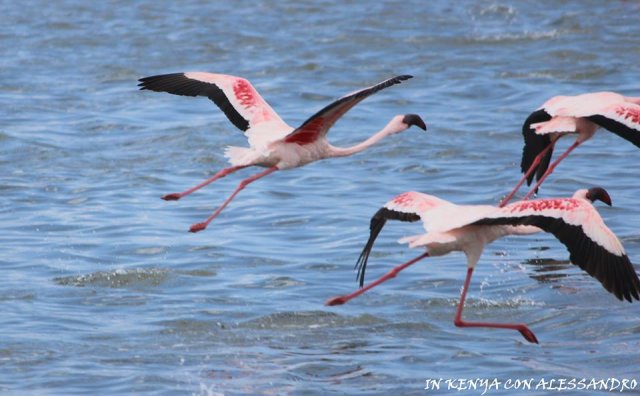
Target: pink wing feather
x=577, y=224
x=319, y=124
x=235, y=96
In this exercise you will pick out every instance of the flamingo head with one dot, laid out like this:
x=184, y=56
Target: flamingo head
x=413, y=119
x=598, y=193
x=594, y=194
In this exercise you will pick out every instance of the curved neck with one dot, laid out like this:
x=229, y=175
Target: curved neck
x=390, y=129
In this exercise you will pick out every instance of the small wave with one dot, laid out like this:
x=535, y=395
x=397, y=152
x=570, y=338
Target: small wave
x=548, y=269
x=498, y=10
x=547, y=264
x=479, y=302
x=117, y=278
x=513, y=302
x=631, y=239
x=590, y=73
x=190, y=326
x=330, y=371
x=279, y=282
x=510, y=37
x=308, y=320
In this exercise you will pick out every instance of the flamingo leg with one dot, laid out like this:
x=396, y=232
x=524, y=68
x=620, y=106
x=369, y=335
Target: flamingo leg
x=522, y=328
x=201, y=226
x=533, y=166
x=389, y=275
x=551, y=168
x=224, y=172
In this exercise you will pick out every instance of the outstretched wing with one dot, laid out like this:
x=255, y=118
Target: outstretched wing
x=623, y=119
x=319, y=124
x=591, y=244
x=617, y=113
x=609, y=110
x=235, y=96
x=409, y=207
x=534, y=144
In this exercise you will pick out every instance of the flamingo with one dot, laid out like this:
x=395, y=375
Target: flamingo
x=272, y=143
x=469, y=228
x=582, y=115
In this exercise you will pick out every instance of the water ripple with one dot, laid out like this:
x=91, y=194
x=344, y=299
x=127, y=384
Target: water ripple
x=105, y=291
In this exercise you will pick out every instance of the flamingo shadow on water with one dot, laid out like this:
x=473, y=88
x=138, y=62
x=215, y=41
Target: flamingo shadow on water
x=469, y=228
x=582, y=115
x=273, y=144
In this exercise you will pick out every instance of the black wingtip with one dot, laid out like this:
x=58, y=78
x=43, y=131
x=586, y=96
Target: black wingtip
x=161, y=82
x=143, y=82
x=534, y=144
x=146, y=83
x=396, y=80
x=414, y=119
x=376, y=224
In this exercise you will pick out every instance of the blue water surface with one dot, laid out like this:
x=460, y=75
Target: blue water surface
x=105, y=292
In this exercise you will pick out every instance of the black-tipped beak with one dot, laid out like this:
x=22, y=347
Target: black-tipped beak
x=598, y=193
x=414, y=119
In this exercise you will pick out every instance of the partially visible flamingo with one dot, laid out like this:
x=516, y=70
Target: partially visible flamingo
x=469, y=228
x=581, y=114
x=272, y=143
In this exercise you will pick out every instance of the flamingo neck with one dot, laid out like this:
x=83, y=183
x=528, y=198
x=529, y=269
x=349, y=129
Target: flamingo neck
x=390, y=129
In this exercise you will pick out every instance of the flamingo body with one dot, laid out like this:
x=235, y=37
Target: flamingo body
x=449, y=227
x=273, y=144
x=582, y=115
x=469, y=228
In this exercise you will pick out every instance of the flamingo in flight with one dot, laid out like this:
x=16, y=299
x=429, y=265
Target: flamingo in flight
x=273, y=144
x=582, y=115
x=469, y=228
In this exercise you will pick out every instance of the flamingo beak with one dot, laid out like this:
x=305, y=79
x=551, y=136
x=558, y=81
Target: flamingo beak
x=598, y=193
x=414, y=119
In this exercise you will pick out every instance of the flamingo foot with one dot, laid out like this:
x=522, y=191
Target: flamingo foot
x=197, y=227
x=339, y=300
x=172, y=197
x=528, y=334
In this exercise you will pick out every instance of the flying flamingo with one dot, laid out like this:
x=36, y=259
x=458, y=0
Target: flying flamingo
x=581, y=114
x=469, y=228
x=272, y=143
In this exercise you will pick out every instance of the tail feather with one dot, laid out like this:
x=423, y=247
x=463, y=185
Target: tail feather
x=409, y=239
x=237, y=155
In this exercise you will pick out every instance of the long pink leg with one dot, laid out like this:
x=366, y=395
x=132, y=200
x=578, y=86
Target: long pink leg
x=389, y=275
x=551, y=168
x=201, y=226
x=219, y=175
x=522, y=328
x=535, y=163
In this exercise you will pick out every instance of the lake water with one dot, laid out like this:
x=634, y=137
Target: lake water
x=105, y=292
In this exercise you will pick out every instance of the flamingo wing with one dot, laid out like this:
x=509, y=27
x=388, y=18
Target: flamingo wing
x=319, y=124
x=534, y=144
x=610, y=110
x=407, y=207
x=235, y=96
x=623, y=119
x=591, y=244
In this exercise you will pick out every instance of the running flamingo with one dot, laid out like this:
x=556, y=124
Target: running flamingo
x=272, y=143
x=469, y=228
x=581, y=114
